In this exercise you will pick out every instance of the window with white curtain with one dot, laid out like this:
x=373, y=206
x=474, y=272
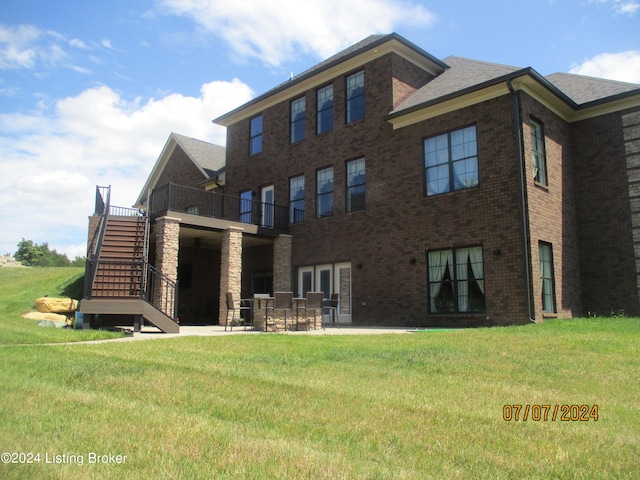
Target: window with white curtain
x=456, y=280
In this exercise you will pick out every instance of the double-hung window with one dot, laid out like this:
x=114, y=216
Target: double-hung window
x=451, y=161
x=538, y=153
x=296, y=199
x=356, y=186
x=355, y=97
x=255, y=142
x=456, y=280
x=246, y=206
x=547, y=277
x=297, y=119
x=324, y=101
x=324, y=192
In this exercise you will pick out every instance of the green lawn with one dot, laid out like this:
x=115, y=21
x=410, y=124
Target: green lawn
x=19, y=287
x=421, y=405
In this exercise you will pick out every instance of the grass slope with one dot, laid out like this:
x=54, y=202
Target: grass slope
x=19, y=287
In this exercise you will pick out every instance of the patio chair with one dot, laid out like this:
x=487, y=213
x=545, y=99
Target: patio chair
x=332, y=306
x=236, y=307
x=283, y=302
x=313, y=303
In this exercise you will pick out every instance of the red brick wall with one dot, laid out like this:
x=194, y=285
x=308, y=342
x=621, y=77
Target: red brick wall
x=180, y=170
x=551, y=211
x=400, y=222
x=607, y=259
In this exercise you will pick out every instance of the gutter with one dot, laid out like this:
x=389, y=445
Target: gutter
x=517, y=119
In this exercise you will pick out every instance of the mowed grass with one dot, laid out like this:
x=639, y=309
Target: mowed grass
x=19, y=288
x=414, y=406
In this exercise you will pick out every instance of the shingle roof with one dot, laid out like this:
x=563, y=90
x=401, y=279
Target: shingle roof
x=208, y=157
x=369, y=43
x=583, y=89
x=462, y=74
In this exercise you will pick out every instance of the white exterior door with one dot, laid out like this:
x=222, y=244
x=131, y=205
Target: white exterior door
x=342, y=286
x=267, y=207
x=329, y=279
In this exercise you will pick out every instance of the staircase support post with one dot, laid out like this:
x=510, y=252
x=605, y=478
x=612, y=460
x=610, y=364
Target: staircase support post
x=167, y=246
x=231, y=269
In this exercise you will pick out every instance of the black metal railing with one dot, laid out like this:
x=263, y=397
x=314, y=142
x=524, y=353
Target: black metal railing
x=161, y=292
x=135, y=279
x=115, y=211
x=200, y=202
x=102, y=207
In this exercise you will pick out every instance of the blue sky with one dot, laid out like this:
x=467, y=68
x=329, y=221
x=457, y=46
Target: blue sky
x=91, y=90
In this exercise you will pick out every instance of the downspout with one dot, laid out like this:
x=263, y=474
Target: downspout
x=523, y=205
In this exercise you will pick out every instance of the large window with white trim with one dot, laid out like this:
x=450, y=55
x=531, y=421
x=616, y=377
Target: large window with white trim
x=324, y=100
x=451, y=161
x=355, y=97
x=246, y=206
x=324, y=192
x=255, y=143
x=356, y=185
x=538, y=153
x=298, y=119
x=456, y=280
x=296, y=199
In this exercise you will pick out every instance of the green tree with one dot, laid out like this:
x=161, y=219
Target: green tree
x=33, y=255
x=28, y=253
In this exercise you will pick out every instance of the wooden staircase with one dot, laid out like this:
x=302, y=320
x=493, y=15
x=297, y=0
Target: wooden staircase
x=121, y=259
x=119, y=283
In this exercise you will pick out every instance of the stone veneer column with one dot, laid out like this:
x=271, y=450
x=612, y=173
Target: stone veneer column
x=282, y=264
x=231, y=269
x=631, y=131
x=167, y=246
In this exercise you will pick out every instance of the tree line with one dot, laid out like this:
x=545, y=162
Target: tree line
x=33, y=255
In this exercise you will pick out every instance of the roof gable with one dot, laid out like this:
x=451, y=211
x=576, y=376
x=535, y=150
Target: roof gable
x=207, y=157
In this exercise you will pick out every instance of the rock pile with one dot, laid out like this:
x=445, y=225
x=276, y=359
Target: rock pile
x=9, y=261
x=60, y=311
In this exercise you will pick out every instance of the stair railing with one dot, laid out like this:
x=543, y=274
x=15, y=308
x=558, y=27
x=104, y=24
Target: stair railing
x=102, y=207
x=161, y=292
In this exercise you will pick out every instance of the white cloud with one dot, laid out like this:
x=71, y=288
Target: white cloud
x=623, y=66
x=275, y=33
x=53, y=160
x=621, y=7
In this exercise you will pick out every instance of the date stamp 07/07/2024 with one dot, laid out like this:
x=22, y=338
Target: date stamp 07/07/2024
x=553, y=413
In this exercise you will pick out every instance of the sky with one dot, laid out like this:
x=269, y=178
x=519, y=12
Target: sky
x=91, y=90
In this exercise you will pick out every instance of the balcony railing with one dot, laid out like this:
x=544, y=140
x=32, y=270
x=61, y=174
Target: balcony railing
x=195, y=201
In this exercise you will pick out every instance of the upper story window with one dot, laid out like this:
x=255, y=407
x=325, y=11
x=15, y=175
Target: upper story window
x=255, y=145
x=324, y=192
x=324, y=100
x=355, y=97
x=451, y=161
x=246, y=206
x=297, y=119
x=456, y=280
x=538, y=153
x=296, y=199
x=356, y=186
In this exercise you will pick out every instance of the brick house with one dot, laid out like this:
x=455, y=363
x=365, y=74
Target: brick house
x=424, y=192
